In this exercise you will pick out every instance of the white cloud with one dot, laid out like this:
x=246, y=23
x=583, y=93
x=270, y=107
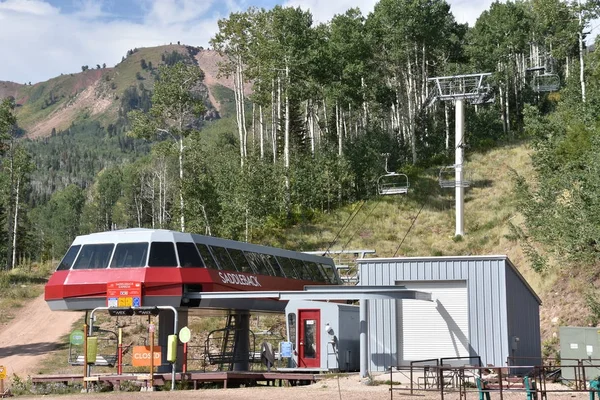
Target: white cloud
x=90, y=9
x=468, y=10
x=463, y=10
x=169, y=12
x=323, y=11
x=32, y=7
x=39, y=41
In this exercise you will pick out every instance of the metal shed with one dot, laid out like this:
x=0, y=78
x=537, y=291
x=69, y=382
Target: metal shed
x=482, y=306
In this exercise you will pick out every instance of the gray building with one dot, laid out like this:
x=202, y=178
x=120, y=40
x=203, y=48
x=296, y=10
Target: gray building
x=482, y=306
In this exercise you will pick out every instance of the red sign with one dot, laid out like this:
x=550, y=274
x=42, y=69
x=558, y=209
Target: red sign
x=124, y=294
x=141, y=356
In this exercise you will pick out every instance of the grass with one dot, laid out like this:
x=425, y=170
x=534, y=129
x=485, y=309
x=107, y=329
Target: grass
x=422, y=223
x=19, y=285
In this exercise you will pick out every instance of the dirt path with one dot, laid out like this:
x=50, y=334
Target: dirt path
x=34, y=332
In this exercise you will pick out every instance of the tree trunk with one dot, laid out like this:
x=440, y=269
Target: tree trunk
x=365, y=119
x=274, y=122
x=581, y=66
x=502, y=110
x=242, y=108
x=207, y=230
x=15, y=223
x=286, y=148
x=261, y=131
x=181, y=202
x=338, y=130
x=239, y=113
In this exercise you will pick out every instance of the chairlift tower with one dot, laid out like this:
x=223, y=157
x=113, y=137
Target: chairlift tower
x=459, y=88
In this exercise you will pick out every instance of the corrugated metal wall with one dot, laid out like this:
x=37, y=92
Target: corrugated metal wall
x=487, y=287
x=523, y=321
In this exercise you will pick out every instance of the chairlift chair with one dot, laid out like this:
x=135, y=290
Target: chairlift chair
x=546, y=82
x=392, y=183
x=447, y=178
x=107, y=350
x=486, y=96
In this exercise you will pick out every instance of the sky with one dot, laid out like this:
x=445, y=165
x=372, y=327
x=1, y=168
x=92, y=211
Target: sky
x=40, y=39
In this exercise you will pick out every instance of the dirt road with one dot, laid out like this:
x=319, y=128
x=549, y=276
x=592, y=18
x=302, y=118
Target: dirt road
x=36, y=330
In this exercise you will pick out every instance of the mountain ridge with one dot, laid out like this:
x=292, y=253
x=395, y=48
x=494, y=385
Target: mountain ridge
x=55, y=104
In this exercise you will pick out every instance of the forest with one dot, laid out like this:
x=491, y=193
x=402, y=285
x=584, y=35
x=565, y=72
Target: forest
x=327, y=101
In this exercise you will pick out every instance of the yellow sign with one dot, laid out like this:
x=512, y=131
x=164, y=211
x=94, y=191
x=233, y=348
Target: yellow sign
x=2, y=372
x=125, y=302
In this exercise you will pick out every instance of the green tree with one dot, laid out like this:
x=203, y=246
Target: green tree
x=176, y=108
x=58, y=222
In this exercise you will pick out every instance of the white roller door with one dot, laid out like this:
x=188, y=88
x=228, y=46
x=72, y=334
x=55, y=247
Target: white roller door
x=434, y=329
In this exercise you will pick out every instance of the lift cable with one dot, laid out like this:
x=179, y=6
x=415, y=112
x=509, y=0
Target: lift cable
x=409, y=228
x=346, y=224
x=361, y=225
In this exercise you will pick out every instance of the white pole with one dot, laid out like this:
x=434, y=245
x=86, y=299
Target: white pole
x=363, y=321
x=458, y=164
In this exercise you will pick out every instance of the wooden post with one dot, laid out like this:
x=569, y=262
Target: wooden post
x=151, y=355
x=184, y=370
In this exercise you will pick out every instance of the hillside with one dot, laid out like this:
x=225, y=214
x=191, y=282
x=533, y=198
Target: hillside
x=492, y=226
x=97, y=92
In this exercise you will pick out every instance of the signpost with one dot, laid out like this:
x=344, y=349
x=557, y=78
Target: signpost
x=76, y=337
x=140, y=357
x=185, y=335
x=2, y=377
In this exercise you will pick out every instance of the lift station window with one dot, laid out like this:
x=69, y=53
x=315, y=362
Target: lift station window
x=188, y=255
x=310, y=338
x=316, y=272
x=240, y=261
x=288, y=268
x=207, y=257
x=162, y=254
x=301, y=269
x=259, y=263
x=272, y=260
x=222, y=257
x=329, y=272
x=94, y=256
x=292, y=326
x=130, y=255
x=68, y=259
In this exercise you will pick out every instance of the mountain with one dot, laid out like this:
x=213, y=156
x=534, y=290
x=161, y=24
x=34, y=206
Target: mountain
x=98, y=92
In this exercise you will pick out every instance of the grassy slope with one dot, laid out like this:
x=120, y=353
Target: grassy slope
x=382, y=223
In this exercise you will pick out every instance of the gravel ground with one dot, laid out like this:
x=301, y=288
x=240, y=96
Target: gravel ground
x=343, y=388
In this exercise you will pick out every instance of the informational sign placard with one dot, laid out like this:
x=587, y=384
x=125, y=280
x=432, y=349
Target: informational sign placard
x=124, y=294
x=141, y=356
x=285, y=349
x=2, y=372
x=185, y=334
x=76, y=337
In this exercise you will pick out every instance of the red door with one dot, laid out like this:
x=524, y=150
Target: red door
x=309, y=343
